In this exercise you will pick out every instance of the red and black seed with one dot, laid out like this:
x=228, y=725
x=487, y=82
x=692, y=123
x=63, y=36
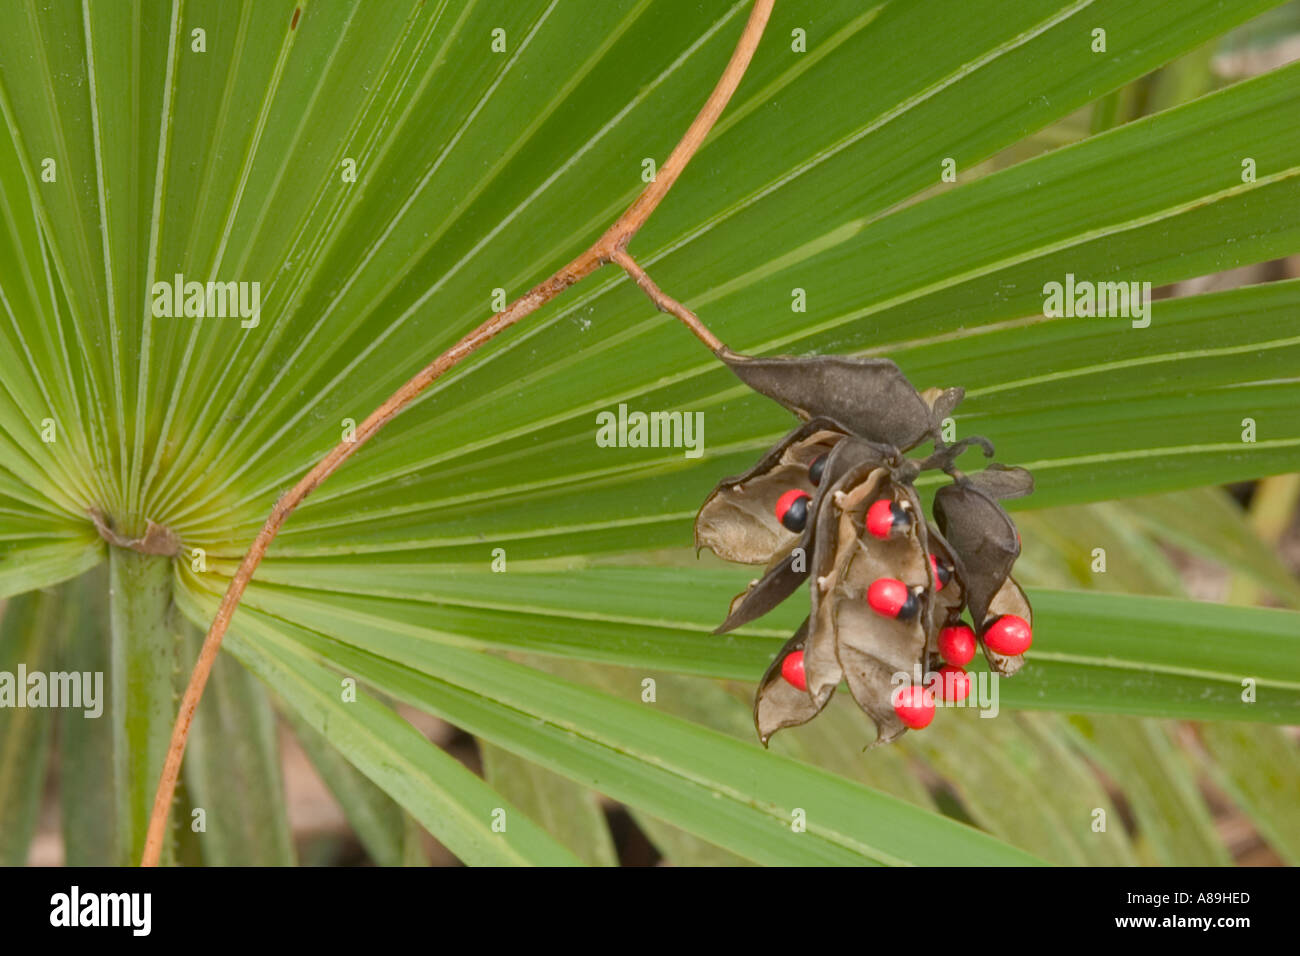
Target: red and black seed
x=886, y=518
x=792, y=509
x=816, y=469
x=892, y=598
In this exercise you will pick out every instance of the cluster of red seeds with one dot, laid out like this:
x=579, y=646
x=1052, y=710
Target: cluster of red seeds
x=915, y=706
x=831, y=494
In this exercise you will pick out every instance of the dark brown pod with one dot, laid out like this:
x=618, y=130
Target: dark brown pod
x=871, y=397
x=981, y=535
x=738, y=519
x=781, y=579
x=789, y=569
x=879, y=595
x=874, y=650
x=833, y=542
x=857, y=466
x=942, y=402
x=1002, y=482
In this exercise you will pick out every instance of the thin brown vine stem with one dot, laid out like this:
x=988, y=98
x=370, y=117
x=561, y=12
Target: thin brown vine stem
x=608, y=248
x=665, y=302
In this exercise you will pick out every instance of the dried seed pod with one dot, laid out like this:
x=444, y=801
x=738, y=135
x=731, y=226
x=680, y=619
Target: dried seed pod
x=738, y=520
x=779, y=703
x=834, y=501
x=781, y=579
x=855, y=469
x=790, y=568
x=983, y=538
x=873, y=648
x=871, y=397
x=833, y=542
x=1009, y=601
x=1003, y=482
x=942, y=402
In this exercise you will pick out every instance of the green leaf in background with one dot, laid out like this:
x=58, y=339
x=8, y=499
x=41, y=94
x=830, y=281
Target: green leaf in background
x=570, y=813
x=1174, y=825
x=1260, y=768
x=1272, y=506
x=87, y=754
x=1108, y=652
x=384, y=829
x=28, y=637
x=1205, y=521
x=232, y=770
x=457, y=807
x=24, y=569
x=1019, y=784
x=680, y=848
x=660, y=764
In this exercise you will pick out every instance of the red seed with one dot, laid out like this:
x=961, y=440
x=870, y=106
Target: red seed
x=892, y=598
x=950, y=683
x=957, y=645
x=1009, y=635
x=792, y=670
x=792, y=509
x=942, y=573
x=914, y=707
x=885, y=518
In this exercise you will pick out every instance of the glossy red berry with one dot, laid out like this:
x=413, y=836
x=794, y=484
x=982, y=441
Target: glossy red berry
x=957, y=645
x=886, y=518
x=942, y=573
x=914, y=707
x=892, y=598
x=792, y=670
x=817, y=469
x=792, y=509
x=950, y=683
x=1009, y=635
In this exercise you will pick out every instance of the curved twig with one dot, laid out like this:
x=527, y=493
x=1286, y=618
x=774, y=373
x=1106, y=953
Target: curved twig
x=665, y=302
x=608, y=248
